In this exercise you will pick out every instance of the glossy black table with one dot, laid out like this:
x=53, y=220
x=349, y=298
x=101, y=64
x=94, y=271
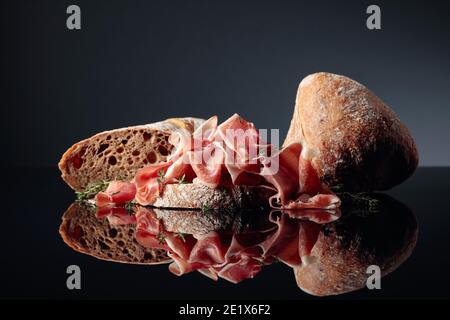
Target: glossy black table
x=34, y=259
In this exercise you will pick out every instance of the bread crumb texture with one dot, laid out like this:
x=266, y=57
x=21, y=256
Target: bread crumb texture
x=116, y=155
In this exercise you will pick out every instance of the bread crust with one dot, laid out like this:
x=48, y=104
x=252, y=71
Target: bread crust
x=202, y=197
x=357, y=140
x=347, y=247
x=200, y=222
x=120, y=153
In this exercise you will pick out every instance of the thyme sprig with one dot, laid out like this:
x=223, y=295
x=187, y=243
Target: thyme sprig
x=129, y=206
x=161, y=180
x=91, y=190
x=161, y=237
x=360, y=200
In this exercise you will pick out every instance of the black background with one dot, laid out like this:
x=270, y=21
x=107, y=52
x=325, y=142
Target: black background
x=137, y=62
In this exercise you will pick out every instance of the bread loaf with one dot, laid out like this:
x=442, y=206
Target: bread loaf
x=345, y=249
x=200, y=196
x=353, y=138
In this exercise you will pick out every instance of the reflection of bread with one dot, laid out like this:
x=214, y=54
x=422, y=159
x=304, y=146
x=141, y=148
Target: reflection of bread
x=200, y=196
x=356, y=140
x=202, y=222
x=120, y=153
x=85, y=233
x=348, y=246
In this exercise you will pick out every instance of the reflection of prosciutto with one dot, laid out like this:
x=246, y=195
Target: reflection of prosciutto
x=232, y=153
x=227, y=255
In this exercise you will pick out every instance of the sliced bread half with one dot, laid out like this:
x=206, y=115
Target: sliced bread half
x=119, y=153
x=85, y=233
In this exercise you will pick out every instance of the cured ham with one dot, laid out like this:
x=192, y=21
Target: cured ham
x=117, y=192
x=116, y=215
x=230, y=256
x=232, y=153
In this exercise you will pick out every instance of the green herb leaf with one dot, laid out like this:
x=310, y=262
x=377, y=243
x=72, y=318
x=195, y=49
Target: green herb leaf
x=362, y=201
x=129, y=206
x=91, y=190
x=161, y=180
x=205, y=208
x=161, y=238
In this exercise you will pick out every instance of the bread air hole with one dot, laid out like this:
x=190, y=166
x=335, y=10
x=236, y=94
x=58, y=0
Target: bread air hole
x=113, y=233
x=135, y=153
x=103, y=245
x=119, y=150
x=102, y=148
x=151, y=157
x=148, y=256
x=146, y=136
x=112, y=160
x=77, y=162
x=108, y=138
x=163, y=150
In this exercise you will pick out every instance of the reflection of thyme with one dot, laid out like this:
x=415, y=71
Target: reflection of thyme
x=161, y=238
x=129, y=206
x=360, y=201
x=205, y=208
x=91, y=190
x=89, y=204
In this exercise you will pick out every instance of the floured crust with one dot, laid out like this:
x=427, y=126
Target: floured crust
x=199, y=196
x=200, y=222
x=347, y=247
x=85, y=233
x=121, y=152
x=359, y=142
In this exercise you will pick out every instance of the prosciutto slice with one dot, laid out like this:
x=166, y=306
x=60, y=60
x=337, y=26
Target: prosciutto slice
x=232, y=153
x=117, y=192
x=116, y=215
x=233, y=256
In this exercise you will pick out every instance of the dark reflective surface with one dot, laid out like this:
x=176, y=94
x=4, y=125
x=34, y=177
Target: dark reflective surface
x=34, y=258
x=234, y=246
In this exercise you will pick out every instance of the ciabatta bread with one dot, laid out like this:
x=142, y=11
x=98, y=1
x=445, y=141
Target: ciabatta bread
x=200, y=196
x=346, y=248
x=85, y=233
x=354, y=139
x=118, y=154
